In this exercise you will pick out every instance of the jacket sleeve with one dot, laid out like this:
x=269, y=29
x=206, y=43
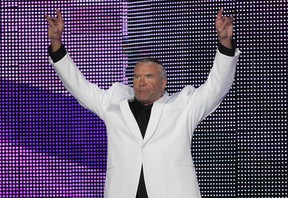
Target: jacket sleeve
x=89, y=95
x=210, y=94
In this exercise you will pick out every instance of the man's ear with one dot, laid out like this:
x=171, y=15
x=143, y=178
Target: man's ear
x=164, y=83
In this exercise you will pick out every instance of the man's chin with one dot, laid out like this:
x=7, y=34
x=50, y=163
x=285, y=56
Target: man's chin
x=143, y=100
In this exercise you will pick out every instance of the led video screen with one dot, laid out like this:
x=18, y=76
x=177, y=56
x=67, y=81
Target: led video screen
x=50, y=146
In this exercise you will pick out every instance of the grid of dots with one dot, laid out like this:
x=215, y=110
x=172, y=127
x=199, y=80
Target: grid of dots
x=52, y=147
x=241, y=149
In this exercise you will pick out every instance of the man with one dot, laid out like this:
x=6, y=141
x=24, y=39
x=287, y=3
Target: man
x=149, y=132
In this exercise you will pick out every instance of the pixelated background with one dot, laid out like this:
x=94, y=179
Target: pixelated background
x=52, y=147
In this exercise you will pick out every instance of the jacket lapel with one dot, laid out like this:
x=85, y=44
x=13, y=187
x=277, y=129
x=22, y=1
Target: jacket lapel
x=130, y=120
x=156, y=112
x=155, y=116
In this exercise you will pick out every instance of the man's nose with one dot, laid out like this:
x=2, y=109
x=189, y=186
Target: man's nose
x=142, y=82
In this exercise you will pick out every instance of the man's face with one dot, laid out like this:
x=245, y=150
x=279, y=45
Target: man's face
x=147, y=82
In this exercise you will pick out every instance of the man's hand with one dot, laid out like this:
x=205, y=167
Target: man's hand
x=224, y=27
x=55, y=30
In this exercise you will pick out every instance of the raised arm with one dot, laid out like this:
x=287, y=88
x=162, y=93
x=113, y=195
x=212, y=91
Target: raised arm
x=87, y=94
x=55, y=30
x=210, y=94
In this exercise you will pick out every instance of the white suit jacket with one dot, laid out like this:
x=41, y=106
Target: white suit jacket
x=165, y=151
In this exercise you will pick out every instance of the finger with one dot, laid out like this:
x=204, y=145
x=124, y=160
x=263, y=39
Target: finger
x=231, y=18
x=46, y=17
x=52, y=21
x=220, y=14
x=225, y=21
x=229, y=21
x=49, y=19
x=59, y=15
